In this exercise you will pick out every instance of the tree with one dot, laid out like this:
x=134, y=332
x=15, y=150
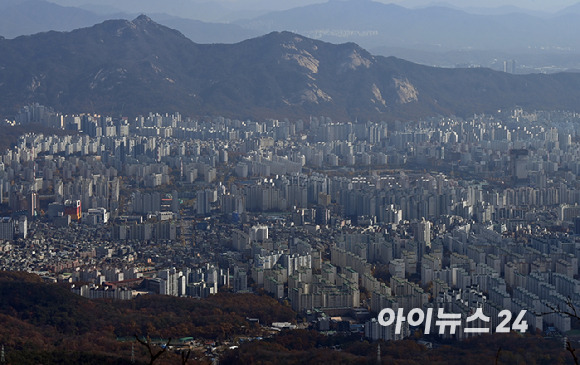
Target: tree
x=185, y=357
x=154, y=356
x=571, y=311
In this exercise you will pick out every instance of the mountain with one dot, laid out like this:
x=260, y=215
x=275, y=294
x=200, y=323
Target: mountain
x=203, y=32
x=138, y=66
x=33, y=16
x=572, y=9
x=202, y=10
x=372, y=24
x=437, y=34
x=502, y=10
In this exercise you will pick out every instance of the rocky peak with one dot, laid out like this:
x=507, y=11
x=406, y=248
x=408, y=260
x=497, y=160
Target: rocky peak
x=142, y=20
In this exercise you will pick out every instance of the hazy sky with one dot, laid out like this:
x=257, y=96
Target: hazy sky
x=176, y=7
x=545, y=5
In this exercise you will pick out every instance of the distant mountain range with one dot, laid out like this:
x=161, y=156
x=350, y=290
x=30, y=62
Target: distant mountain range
x=28, y=17
x=368, y=23
x=372, y=24
x=438, y=35
x=34, y=16
x=132, y=67
x=433, y=35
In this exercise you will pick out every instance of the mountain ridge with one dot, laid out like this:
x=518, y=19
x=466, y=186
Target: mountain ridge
x=133, y=67
x=435, y=34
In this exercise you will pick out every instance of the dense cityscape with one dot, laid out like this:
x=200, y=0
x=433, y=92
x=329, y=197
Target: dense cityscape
x=337, y=219
x=308, y=182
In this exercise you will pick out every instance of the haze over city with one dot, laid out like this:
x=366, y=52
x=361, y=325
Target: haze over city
x=239, y=182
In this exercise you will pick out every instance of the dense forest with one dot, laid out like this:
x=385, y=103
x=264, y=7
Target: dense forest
x=300, y=346
x=42, y=321
x=47, y=324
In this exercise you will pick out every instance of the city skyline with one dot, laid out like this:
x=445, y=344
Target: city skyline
x=289, y=196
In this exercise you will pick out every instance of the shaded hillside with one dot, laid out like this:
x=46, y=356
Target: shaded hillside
x=45, y=321
x=133, y=67
x=309, y=347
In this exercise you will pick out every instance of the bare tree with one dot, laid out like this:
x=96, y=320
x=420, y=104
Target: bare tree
x=571, y=311
x=572, y=351
x=497, y=356
x=185, y=357
x=150, y=347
